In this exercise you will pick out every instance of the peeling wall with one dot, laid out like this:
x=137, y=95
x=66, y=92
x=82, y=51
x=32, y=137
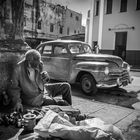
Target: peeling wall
x=8, y=60
x=12, y=46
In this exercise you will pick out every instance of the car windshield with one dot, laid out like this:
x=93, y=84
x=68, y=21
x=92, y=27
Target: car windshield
x=79, y=48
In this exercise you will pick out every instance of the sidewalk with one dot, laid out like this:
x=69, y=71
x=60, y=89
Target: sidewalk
x=111, y=114
x=119, y=116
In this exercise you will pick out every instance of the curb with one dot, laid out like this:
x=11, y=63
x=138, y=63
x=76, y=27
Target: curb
x=135, y=70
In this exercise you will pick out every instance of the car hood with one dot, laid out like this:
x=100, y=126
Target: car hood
x=100, y=58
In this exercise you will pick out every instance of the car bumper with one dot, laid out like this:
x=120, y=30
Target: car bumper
x=119, y=79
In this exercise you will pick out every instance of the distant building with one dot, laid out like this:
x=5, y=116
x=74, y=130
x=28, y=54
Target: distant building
x=72, y=26
x=72, y=23
x=120, y=28
x=80, y=37
x=48, y=20
x=83, y=29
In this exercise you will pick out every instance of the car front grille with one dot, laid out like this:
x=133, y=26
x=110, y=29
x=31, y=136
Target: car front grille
x=114, y=76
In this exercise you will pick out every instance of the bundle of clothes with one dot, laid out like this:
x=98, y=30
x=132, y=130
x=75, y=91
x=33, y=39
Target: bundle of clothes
x=63, y=123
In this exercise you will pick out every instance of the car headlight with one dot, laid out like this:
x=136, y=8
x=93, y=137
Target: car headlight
x=128, y=68
x=106, y=71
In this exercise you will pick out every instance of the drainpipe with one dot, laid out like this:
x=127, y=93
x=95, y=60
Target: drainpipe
x=101, y=14
x=90, y=31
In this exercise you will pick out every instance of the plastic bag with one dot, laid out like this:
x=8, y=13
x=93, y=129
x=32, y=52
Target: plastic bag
x=52, y=124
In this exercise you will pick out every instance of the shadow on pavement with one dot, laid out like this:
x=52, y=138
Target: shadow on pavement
x=115, y=96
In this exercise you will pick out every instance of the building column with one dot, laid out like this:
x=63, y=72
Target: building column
x=90, y=31
x=87, y=30
x=101, y=14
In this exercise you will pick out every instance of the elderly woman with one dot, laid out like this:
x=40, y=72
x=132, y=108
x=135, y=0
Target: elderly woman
x=29, y=84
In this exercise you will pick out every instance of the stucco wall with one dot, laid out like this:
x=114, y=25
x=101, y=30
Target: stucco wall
x=123, y=20
x=120, y=22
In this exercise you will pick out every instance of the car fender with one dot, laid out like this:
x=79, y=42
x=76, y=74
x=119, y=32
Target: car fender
x=94, y=68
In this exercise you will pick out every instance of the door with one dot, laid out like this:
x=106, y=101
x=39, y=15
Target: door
x=56, y=61
x=46, y=56
x=61, y=62
x=120, y=44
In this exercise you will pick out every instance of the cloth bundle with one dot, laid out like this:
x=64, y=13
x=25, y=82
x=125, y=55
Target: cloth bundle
x=53, y=125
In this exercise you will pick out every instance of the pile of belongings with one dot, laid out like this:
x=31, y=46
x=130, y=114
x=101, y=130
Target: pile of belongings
x=58, y=123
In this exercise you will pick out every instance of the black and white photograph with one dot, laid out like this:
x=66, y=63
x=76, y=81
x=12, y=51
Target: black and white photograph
x=69, y=70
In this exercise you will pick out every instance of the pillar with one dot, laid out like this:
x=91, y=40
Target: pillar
x=90, y=31
x=101, y=14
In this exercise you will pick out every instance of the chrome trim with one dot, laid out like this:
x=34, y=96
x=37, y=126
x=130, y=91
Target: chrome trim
x=116, y=79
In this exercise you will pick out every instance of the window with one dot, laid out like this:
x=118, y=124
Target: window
x=39, y=24
x=138, y=5
x=32, y=14
x=24, y=21
x=59, y=49
x=47, y=49
x=79, y=48
x=77, y=18
x=75, y=31
x=123, y=7
x=88, y=13
x=87, y=48
x=68, y=31
x=74, y=48
x=51, y=27
x=97, y=8
x=40, y=49
x=70, y=14
x=61, y=30
x=109, y=7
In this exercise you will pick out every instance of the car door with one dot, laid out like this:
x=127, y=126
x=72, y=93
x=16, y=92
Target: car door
x=46, y=56
x=61, y=62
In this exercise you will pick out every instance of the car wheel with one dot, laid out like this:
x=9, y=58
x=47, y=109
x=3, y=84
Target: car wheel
x=88, y=84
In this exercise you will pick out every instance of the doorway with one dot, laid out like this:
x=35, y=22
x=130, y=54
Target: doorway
x=120, y=44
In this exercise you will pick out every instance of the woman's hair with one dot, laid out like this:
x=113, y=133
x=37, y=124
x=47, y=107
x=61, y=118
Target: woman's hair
x=32, y=55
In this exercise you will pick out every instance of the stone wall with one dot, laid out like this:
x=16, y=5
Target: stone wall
x=8, y=60
x=11, y=52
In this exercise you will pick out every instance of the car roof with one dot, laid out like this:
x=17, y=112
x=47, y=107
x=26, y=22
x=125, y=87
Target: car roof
x=63, y=41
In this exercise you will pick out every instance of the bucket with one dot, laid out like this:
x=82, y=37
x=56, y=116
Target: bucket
x=29, y=121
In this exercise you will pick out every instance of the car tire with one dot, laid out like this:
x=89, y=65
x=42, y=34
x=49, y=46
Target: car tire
x=88, y=84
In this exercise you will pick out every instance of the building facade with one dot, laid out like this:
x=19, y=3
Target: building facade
x=12, y=47
x=120, y=28
x=11, y=19
x=48, y=20
x=72, y=23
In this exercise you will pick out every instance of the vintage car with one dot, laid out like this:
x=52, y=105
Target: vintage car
x=75, y=62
